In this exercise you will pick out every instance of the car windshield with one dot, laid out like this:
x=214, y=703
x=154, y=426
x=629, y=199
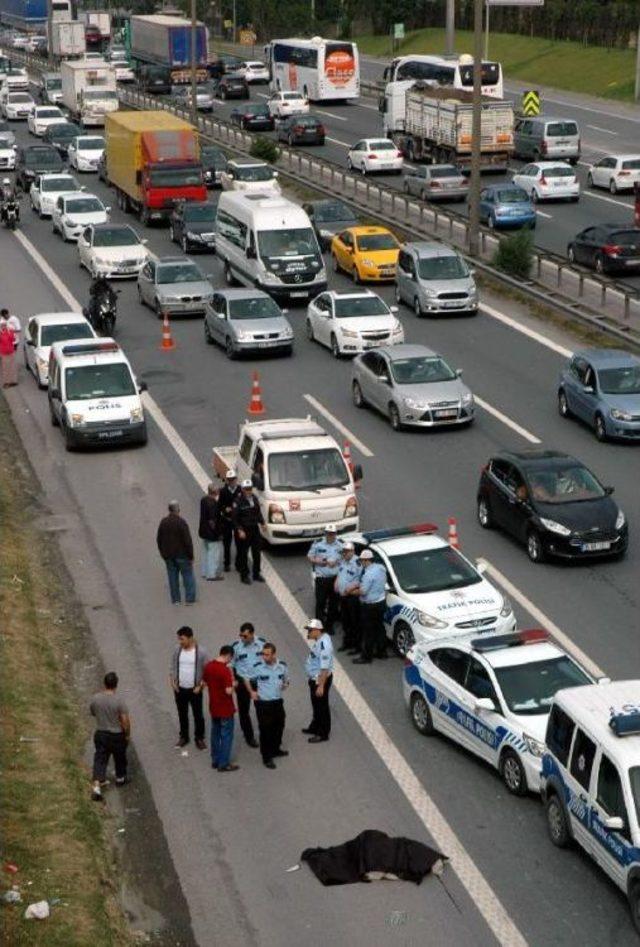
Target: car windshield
x=381, y=146
x=568, y=484
x=529, y=689
x=433, y=570
x=213, y=158
x=377, y=241
x=559, y=129
x=620, y=381
x=634, y=780
x=558, y=172
x=512, y=196
x=176, y=177
x=178, y=273
x=333, y=210
x=91, y=144
x=421, y=370
x=201, y=214
x=257, y=172
x=52, y=84
x=93, y=94
x=49, y=113
x=98, y=381
x=354, y=306
x=442, y=267
x=446, y=171
x=115, y=237
x=62, y=333
x=58, y=184
x=257, y=307
x=285, y=243
x=307, y=470
x=42, y=159
x=83, y=205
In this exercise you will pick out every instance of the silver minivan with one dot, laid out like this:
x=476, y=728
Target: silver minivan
x=545, y=137
x=435, y=280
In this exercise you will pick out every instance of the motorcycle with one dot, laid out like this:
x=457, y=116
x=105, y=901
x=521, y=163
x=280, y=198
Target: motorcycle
x=101, y=313
x=10, y=214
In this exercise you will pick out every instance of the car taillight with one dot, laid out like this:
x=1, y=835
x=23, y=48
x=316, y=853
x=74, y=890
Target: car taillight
x=611, y=249
x=371, y=157
x=623, y=173
x=321, y=130
x=399, y=154
x=434, y=184
x=298, y=129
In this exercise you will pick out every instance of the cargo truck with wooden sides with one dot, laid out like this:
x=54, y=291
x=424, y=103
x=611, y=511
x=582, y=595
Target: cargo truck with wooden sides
x=166, y=41
x=153, y=162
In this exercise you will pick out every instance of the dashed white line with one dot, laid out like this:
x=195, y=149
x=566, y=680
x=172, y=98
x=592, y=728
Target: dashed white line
x=340, y=118
x=506, y=420
x=337, y=423
x=337, y=141
x=607, y=131
x=525, y=330
x=542, y=213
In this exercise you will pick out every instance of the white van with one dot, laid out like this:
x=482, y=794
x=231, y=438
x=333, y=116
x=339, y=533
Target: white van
x=268, y=242
x=93, y=394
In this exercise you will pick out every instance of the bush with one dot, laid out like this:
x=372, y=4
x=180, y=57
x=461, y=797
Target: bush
x=265, y=149
x=514, y=255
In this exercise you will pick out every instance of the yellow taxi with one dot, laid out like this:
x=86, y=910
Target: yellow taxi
x=368, y=254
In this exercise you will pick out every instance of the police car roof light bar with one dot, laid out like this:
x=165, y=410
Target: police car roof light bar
x=418, y=529
x=625, y=725
x=513, y=640
x=90, y=348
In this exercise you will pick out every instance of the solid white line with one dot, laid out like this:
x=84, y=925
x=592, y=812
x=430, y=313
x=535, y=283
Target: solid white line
x=332, y=419
x=542, y=213
x=337, y=141
x=527, y=435
x=525, y=330
x=51, y=275
x=544, y=620
x=597, y=128
x=609, y=200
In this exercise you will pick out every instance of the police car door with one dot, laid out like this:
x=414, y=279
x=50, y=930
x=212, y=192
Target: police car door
x=613, y=847
x=482, y=724
x=449, y=701
x=577, y=777
x=396, y=607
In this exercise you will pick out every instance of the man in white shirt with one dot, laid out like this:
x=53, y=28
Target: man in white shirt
x=185, y=678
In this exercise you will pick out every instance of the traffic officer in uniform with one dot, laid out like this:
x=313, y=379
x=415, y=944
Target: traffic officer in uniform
x=247, y=519
x=247, y=649
x=372, y=593
x=226, y=498
x=319, y=668
x=324, y=556
x=269, y=678
x=347, y=583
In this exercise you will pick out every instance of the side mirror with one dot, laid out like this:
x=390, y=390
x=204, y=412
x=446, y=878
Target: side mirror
x=393, y=308
x=481, y=566
x=472, y=272
x=614, y=823
x=83, y=188
x=144, y=242
x=357, y=473
x=459, y=372
x=588, y=389
x=385, y=379
x=55, y=393
x=221, y=315
x=609, y=490
x=251, y=253
x=284, y=311
x=143, y=386
x=483, y=704
x=107, y=210
x=275, y=174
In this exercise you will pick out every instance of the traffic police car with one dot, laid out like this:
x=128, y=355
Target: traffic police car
x=492, y=695
x=590, y=780
x=434, y=591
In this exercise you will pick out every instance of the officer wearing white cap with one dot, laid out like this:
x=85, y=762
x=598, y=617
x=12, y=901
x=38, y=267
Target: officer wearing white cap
x=346, y=585
x=372, y=593
x=247, y=519
x=226, y=498
x=319, y=668
x=324, y=556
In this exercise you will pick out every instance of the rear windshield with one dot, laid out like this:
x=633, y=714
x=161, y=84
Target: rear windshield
x=291, y=96
x=447, y=171
x=625, y=238
x=631, y=165
x=58, y=184
x=558, y=173
x=512, y=196
x=306, y=120
x=62, y=333
x=382, y=146
x=91, y=144
x=42, y=159
x=560, y=129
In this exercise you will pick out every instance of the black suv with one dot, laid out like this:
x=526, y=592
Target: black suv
x=34, y=160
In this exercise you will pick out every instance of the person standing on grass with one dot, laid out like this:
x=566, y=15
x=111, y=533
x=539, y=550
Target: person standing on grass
x=8, y=355
x=187, y=666
x=176, y=548
x=112, y=734
x=211, y=535
x=219, y=680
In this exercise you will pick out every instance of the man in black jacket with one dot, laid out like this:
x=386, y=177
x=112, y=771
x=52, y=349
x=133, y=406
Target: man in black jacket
x=229, y=494
x=176, y=548
x=209, y=533
x=247, y=519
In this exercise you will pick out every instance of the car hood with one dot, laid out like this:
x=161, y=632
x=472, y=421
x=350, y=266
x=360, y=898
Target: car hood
x=44, y=120
x=533, y=724
x=260, y=326
x=200, y=226
x=456, y=605
x=435, y=391
x=194, y=288
x=581, y=515
x=629, y=403
x=94, y=217
x=367, y=323
x=115, y=254
x=89, y=155
x=463, y=285
x=378, y=256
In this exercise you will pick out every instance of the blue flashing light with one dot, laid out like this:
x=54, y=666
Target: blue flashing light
x=418, y=529
x=625, y=725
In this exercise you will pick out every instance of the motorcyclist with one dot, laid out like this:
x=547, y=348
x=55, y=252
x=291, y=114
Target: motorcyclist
x=9, y=195
x=100, y=291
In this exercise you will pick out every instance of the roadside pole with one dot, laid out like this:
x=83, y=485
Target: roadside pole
x=450, y=34
x=194, y=84
x=474, y=183
x=637, y=91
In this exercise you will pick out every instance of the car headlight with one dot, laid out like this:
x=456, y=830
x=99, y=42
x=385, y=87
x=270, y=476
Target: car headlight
x=366, y=261
x=397, y=327
x=270, y=277
x=621, y=519
x=287, y=333
x=244, y=337
x=77, y=420
x=101, y=262
x=429, y=621
x=276, y=513
x=136, y=414
x=467, y=398
x=429, y=293
x=619, y=415
x=506, y=609
x=415, y=405
x=554, y=527
x=193, y=236
x=535, y=747
x=348, y=334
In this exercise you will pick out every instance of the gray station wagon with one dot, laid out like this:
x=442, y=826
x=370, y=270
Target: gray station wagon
x=247, y=320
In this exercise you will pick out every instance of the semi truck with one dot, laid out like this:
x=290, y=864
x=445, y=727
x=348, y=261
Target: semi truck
x=88, y=90
x=23, y=14
x=67, y=39
x=166, y=41
x=153, y=162
x=435, y=124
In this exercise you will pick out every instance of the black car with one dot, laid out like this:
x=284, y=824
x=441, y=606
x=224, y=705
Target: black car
x=213, y=162
x=154, y=79
x=34, y=160
x=253, y=118
x=231, y=86
x=61, y=135
x=301, y=130
x=607, y=248
x=193, y=225
x=330, y=217
x=223, y=63
x=553, y=504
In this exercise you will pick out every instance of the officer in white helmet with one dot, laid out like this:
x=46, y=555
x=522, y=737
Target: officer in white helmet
x=226, y=499
x=247, y=520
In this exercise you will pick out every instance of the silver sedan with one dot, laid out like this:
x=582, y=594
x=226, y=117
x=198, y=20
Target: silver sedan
x=247, y=320
x=436, y=182
x=204, y=97
x=174, y=285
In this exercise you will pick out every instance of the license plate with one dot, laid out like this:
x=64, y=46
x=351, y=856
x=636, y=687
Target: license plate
x=451, y=413
x=595, y=547
x=263, y=345
x=632, y=262
x=299, y=295
x=454, y=305
x=310, y=532
x=108, y=435
x=372, y=345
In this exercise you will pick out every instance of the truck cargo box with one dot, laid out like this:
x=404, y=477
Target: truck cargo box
x=166, y=41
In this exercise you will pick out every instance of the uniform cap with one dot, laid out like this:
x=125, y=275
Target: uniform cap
x=245, y=484
x=314, y=623
x=347, y=546
x=366, y=554
x=330, y=528
x=231, y=474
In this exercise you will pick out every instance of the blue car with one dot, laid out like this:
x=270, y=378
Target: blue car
x=602, y=387
x=504, y=206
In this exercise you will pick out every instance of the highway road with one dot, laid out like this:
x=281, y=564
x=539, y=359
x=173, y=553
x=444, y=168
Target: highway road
x=237, y=838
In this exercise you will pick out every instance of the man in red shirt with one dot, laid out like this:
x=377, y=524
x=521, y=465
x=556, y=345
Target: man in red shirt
x=218, y=677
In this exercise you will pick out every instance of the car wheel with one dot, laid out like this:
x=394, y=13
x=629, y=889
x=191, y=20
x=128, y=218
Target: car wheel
x=349, y=164
x=336, y=265
x=355, y=276
x=535, y=549
x=228, y=275
x=291, y=141
x=423, y=195
x=172, y=234
x=513, y=774
x=557, y=824
x=52, y=417
x=358, y=397
x=335, y=348
x=485, y=517
x=634, y=905
x=600, y=264
x=491, y=222
x=141, y=299
x=69, y=442
x=563, y=405
x=209, y=339
x=363, y=168
x=613, y=187
x=535, y=197
x=184, y=245
x=394, y=417
x=309, y=328
x=157, y=308
x=405, y=187
x=417, y=308
x=229, y=348
x=421, y=715
x=589, y=179
x=600, y=428
x=403, y=637
x=571, y=255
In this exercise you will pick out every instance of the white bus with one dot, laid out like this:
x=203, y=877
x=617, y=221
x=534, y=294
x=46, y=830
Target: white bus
x=319, y=68
x=455, y=71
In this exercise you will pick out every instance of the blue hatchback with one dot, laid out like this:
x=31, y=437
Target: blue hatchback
x=504, y=206
x=602, y=387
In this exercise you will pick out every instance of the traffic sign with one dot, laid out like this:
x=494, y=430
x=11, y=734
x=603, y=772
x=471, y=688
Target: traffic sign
x=398, y=30
x=531, y=103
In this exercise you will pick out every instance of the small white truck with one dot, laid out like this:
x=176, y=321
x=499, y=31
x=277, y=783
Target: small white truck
x=67, y=39
x=299, y=475
x=88, y=90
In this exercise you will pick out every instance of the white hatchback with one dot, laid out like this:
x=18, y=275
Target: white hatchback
x=253, y=71
x=283, y=104
x=42, y=116
x=370, y=155
x=85, y=151
x=615, y=172
x=548, y=181
x=42, y=331
x=350, y=323
x=75, y=211
x=47, y=188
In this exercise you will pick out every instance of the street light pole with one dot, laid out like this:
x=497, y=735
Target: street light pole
x=450, y=28
x=476, y=133
x=637, y=91
x=194, y=82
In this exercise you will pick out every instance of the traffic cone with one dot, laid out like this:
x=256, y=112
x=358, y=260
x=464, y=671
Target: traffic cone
x=453, y=533
x=255, y=404
x=167, y=339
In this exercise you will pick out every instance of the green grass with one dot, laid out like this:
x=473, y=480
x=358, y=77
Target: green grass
x=592, y=70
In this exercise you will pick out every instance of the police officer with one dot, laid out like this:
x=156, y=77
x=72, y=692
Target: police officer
x=247, y=519
x=226, y=498
x=247, y=649
x=319, y=668
x=372, y=593
x=324, y=556
x=269, y=678
x=347, y=583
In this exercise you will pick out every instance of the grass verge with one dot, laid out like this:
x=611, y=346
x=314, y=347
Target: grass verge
x=592, y=70
x=48, y=825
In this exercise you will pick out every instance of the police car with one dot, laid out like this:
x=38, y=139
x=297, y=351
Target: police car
x=434, y=591
x=492, y=695
x=591, y=779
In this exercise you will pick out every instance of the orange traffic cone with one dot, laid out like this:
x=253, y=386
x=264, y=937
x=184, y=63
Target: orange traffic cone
x=453, y=533
x=255, y=404
x=167, y=339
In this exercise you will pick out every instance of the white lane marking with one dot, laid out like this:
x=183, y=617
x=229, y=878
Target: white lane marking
x=340, y=118
x=597, y=128
x=609, y=200
x=337, y=141
x=361, y=105
x=544, y=620
x=332, y=419
x=525, y=330
x=51, y=275
x=504, y=419
x=542, y=213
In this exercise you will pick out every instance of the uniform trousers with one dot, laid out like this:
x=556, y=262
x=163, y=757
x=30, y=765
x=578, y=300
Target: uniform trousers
x=321, y=722
x=374, y=641
x=243, y=698
x=326, y=602
x=350, y=617
x=108, y=744
x=253, y=542
x=271, y=717
x=226, y=528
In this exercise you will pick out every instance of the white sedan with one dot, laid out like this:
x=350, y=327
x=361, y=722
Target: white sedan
x=42, y=116
x=75, y=211
x=47, y=188
x=123, y=70
x=253, y=71
x=45, y=329
x=17, y=105
x=283, y=104
x=548, y=181
x=352, y=322
x=375, y=154
x=615, y=172
x=85, y=151
x=112, y=250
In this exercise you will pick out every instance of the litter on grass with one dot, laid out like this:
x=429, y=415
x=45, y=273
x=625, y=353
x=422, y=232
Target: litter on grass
x=38, y=911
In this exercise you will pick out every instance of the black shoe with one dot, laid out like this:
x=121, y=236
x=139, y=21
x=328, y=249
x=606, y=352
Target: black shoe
x=245, y=579
x=227, y=567
x=308, y=730
x=259, y=578
x=361, y=661
x=281, y=753
x=180, y=742
x=123, y=781
x=382, y=656
x=343, y=647
x=252, y=742
x=269, y=764
x=353, y=651
x=317, y=739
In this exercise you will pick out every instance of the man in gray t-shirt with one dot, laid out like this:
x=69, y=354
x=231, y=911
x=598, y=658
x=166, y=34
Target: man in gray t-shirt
x=113, y=730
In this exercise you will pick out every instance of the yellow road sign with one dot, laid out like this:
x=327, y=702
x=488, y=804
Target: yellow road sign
x=531, y=102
